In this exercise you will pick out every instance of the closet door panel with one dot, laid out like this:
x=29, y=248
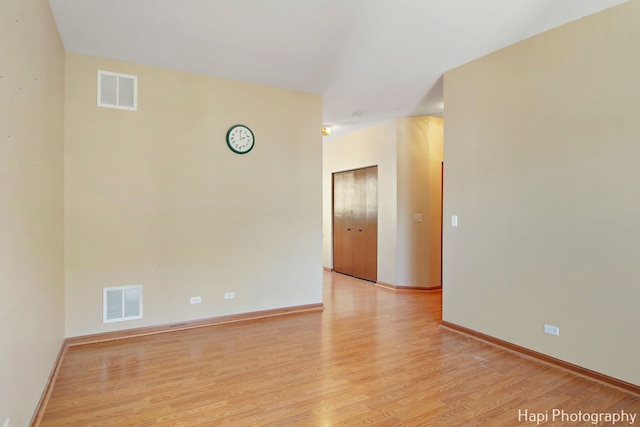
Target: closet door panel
x=343, y=194
x=355, y=223
x=370, y=244
x=359, y=220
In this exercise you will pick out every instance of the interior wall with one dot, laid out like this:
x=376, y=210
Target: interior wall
x=31, y=204
x=420, y=153
x=542, y=169
x=155, y=197
x=372, y=146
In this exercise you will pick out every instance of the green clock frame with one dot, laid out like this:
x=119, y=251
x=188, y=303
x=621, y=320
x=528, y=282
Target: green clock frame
x=240, y=139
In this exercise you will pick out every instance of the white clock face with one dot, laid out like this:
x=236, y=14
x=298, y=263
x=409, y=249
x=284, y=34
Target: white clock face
x=240, y=139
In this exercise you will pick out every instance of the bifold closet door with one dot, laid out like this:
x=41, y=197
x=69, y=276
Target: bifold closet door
x=355, y=223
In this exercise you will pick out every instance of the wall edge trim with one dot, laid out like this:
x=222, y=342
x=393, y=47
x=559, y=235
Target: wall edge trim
x=48, y=388
x=407, y=288
x=200, y=323
x=546, y=359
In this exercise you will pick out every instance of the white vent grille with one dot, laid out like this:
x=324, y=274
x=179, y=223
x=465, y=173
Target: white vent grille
x=117, y=90
x=122, y=303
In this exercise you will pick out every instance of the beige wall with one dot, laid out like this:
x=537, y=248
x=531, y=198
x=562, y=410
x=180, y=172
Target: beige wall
x=420, y=147
x=155, y=197
x=541, y=157
x=408, y=152
x=31, y=208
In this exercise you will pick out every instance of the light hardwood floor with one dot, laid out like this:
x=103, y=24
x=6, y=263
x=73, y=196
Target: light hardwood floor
x=373, y=357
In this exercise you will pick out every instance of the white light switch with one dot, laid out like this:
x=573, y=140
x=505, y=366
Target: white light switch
x=454, y=220
x=417, y=217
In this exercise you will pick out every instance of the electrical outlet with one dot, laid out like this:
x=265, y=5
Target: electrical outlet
x=7, y=423
x=229, y=295
x=552, y=330
x=195, y=300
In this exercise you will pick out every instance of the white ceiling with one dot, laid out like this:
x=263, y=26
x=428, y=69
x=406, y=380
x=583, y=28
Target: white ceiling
x=377, y=58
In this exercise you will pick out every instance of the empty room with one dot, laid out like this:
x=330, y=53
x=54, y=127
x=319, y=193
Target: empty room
x=319, y=213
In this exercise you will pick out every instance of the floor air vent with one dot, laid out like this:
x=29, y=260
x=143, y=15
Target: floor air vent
x=122, y=303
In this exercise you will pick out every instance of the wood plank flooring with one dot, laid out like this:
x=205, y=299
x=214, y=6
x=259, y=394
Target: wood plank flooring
x=373, y=357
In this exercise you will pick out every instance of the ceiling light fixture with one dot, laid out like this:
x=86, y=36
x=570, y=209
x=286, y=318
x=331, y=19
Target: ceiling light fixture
x=326, y=130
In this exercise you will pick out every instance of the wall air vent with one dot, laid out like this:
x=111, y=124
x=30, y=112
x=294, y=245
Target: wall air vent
x=117, y=90
x=121, y=303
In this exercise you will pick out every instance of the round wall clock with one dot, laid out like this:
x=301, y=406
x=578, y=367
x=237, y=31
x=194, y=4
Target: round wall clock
x=240, y=139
